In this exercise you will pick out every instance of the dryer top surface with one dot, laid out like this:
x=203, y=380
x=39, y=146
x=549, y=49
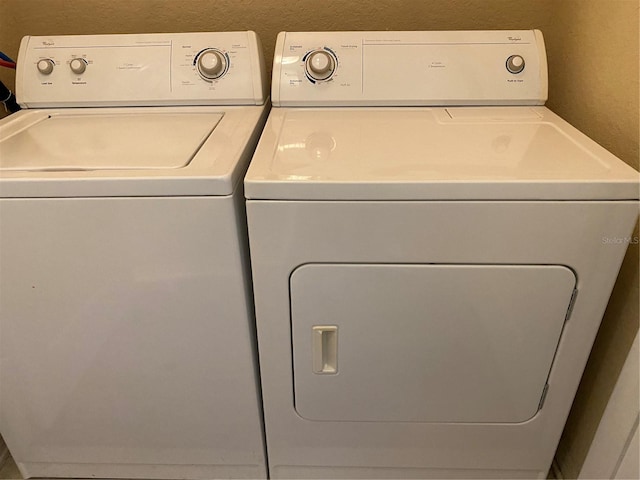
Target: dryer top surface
x=473, y=153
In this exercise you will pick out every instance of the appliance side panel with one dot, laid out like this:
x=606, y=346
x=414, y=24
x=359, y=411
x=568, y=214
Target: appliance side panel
x=258, y=71
x=544, y=66
x=20, y=71
x=277, y=70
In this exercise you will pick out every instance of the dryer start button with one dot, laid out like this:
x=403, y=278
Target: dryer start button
x=515, y=64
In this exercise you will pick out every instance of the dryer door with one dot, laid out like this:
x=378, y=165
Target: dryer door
x=425, y=343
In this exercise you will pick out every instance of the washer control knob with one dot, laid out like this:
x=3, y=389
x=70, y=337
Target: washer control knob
x=320, y=65
x=78, y=65
x=211, y=64
x=45, y=66
x=515, y=64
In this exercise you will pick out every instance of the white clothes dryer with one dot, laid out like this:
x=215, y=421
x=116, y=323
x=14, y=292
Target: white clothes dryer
x=126, y=318
x=429, y=255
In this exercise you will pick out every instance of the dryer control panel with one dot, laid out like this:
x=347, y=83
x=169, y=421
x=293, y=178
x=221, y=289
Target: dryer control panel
x=219, y=68
x=410, y=68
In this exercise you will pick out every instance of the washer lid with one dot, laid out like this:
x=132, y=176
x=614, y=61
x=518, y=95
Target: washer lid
x=94, y=141
x=481, y=153
x=127, y=151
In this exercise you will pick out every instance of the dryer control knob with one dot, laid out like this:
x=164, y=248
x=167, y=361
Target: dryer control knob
x=211, y=64
x=78, y=65
x=45, y=66
x=320, y=65
x=515, y=64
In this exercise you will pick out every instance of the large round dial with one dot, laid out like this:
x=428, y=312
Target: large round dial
x=45, y=66
x=515, y=64
x=212, y=64
x=320, y=65
x=78, y=65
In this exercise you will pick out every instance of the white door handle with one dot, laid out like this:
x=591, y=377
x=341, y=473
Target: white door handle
x=324, y=349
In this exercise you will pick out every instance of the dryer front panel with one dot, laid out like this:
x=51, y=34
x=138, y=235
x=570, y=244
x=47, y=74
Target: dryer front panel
x=479, y=340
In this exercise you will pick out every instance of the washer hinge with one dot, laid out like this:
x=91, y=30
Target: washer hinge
x=572, y=302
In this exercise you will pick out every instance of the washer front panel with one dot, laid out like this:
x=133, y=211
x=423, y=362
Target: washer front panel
x=126, y=341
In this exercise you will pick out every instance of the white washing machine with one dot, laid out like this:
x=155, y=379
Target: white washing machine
x=126, y=318
x=432, y=252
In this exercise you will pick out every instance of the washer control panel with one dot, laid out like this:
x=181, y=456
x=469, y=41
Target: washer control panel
x=410, y=68
x=219, y=68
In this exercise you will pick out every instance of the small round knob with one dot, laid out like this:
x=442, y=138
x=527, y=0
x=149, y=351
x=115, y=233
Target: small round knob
x=211, y=64
x=515, y=64
x=45, y=66
x=320, y=65
x=78, y=65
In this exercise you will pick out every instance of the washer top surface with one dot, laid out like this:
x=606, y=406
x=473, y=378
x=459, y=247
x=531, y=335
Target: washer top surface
x=128, y=151
x=407, y=153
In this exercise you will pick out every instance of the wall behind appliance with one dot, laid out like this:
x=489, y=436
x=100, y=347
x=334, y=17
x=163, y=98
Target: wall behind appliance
x=592, y=48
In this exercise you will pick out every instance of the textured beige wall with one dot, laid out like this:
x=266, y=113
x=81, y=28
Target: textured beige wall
x=593, y=83
x=592, y=47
